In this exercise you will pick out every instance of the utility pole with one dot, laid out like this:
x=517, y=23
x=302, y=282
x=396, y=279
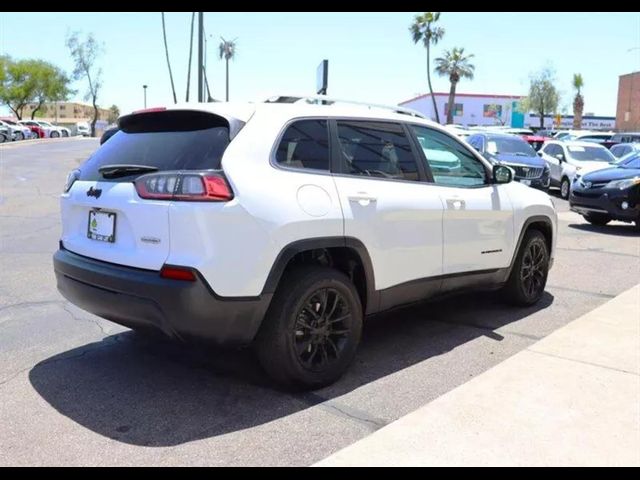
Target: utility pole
x=200, y=56
x=145, y=95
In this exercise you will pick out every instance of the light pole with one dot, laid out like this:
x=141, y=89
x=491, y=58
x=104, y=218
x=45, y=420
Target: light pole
x=145, y=95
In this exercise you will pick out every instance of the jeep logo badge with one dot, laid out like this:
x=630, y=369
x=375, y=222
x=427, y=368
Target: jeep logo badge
x=94, y=192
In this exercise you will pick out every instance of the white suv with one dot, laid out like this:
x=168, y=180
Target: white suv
x=566, y=159
x=284, y=225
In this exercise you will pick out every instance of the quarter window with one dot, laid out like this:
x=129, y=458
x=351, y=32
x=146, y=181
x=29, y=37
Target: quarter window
x=450, y=162
x=305, y=144
x=376, y=149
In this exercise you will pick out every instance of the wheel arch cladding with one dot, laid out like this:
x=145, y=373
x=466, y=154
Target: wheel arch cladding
x=346, y=254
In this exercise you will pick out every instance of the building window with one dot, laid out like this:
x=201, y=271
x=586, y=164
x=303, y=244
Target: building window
x=457, y=111
x=62, y=107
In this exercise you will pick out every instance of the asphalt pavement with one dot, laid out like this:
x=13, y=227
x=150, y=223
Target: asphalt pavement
x=79, y=390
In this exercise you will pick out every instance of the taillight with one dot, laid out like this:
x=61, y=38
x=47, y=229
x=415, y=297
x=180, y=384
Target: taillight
x=177, y=273
x=190, y=187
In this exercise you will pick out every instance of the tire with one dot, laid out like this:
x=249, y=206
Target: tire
x=3, y=138
x=65, y=134
x=522, y=289
x=55, y=134
x=297, y=347
x=19, y=136
x=597, y=218
x=565, y=188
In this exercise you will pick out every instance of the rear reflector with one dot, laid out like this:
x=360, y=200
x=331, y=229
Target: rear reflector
x=177, y=273
x=190, y=187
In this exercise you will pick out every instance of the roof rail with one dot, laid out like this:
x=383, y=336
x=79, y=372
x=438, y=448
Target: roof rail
x=324, y=100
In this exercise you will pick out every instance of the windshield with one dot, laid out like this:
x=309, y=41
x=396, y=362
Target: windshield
x=590, y=154
x=631, y=160
x=510, y=146
x=176, y=140
x=46, y=124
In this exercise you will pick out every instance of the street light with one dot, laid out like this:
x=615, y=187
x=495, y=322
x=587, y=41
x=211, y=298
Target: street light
x=145, y=95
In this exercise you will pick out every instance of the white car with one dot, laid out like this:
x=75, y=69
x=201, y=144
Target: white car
x=285, y=225
x=83, y=128
x=54, y=130
x=566, y=158
x=17, y=131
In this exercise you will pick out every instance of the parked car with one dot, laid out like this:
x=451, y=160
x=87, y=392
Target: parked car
x=513, y=151
x=626, y=137
x=536, y=141
x=565, y=158
x=83, y=128
x=5, y=135
x=609, y=194
x=16, y=132
x=54, y=131
x=34, y=126
x=239, y=224
x=622, y=149
x=459, y=130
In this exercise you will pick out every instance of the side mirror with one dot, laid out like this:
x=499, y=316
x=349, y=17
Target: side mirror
x=559, y=156
x=539, y=153
x=502, y=174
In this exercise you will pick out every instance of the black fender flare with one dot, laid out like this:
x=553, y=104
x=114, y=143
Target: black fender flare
x=292, y=249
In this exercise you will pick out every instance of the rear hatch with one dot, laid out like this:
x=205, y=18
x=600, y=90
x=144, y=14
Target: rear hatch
x=103, y=215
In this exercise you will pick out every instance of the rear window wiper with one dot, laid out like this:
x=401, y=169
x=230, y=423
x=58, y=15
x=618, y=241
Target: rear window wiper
x=115, y=171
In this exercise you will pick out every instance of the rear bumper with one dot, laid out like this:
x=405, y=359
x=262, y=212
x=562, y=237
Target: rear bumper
x=141, y=298
x=606, y=202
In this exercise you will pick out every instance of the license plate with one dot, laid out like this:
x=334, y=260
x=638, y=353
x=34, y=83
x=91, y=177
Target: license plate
x=102, y=226
x=525, y=182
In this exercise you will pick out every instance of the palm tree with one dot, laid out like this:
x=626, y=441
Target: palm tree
x=423, y=28
x=166, y=50
x=193, y=17
x=227, y=50
x=578, y=101
x=455, y=65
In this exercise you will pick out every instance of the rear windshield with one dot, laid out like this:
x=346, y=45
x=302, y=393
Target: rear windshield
x=172, y=140
x=590, y=154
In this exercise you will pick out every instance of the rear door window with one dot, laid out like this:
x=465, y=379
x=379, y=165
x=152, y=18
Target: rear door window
x=171, y=140
x=376, y=149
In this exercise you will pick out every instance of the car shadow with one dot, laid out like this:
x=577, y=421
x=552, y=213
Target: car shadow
x=148, y=391
x=626, y=230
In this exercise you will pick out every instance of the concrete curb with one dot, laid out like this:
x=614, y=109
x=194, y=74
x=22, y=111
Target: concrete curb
x=571, y=399
x=43, y=140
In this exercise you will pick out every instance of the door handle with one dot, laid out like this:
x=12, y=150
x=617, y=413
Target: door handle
x=362, y=198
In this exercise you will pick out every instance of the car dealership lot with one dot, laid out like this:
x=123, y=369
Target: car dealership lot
x=76, y=389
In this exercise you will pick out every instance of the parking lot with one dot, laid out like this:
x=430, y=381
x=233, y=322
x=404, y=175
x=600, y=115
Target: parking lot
x=76, y=389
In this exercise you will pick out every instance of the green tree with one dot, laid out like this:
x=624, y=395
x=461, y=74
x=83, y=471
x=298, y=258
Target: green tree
x=52, y=85
x=166, y=51
x=455, y=65
x=24, y=82
x=543, y=98
x=578, y=100
x=227, y=50
x=424, y=29
x=114, y=113
x=85, y=53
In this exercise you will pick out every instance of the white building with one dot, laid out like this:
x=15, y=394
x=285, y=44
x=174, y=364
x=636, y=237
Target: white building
x=470, y=109
x=482, y=109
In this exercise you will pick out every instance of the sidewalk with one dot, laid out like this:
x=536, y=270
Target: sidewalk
x=571, y=399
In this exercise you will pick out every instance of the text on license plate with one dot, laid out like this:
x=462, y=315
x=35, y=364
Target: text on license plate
x=102, y=226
